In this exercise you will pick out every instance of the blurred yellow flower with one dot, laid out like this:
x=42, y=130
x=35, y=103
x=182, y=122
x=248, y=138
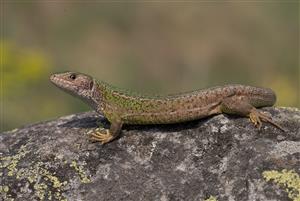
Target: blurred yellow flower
x=22, y=66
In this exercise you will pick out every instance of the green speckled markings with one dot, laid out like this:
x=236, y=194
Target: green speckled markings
x=124, y=107
x=138, y=109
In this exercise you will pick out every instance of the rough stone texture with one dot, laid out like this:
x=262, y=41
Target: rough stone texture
x=221, y=156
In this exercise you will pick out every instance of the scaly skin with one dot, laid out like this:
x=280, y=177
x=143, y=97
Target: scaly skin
x=123, y=107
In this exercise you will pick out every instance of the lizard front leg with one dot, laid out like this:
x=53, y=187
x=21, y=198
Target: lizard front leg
x=240, y=105
x=110, y=134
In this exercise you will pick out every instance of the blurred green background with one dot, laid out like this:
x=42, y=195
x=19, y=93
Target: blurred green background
x=148, y=47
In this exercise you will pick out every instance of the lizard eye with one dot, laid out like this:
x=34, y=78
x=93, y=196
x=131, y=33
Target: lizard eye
x=72, y=76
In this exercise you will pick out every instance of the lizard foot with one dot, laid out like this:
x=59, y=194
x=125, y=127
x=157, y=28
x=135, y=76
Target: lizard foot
x=256, y=117
x=103, y=138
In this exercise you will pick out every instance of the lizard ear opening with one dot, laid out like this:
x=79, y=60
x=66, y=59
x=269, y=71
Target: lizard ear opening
x=91, y=84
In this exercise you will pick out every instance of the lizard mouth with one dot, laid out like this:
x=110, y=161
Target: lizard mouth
x=62, y=83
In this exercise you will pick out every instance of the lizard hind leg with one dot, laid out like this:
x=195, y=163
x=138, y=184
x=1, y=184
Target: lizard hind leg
x=240, y=105
x=257, y=117
x=254, y=117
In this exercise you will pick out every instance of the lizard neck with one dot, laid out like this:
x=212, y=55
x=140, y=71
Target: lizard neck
x=95, y=99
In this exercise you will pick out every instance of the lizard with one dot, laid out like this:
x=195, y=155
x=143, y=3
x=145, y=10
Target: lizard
x=123, y=107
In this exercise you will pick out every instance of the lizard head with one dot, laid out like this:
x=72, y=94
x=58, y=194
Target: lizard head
x=77, y=84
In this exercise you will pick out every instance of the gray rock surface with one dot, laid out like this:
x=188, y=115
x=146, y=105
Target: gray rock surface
x=221, y=158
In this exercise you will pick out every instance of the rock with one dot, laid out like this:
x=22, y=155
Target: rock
x=217, y=158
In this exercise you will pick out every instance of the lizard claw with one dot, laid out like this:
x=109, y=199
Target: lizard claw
x=103, y=138
x=256, y=117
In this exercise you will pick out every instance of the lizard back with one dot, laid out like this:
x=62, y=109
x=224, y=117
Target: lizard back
x=140, y=109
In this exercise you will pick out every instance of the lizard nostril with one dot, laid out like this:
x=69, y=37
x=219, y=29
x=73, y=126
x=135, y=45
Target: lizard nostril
x=52, y=76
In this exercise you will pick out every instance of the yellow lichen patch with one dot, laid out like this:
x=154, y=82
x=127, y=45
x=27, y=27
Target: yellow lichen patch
x=4, y=193
x=47, y=186
x=53, y=179
x=11, y=162
x=36, y=174
x=211, y=198
x=288, y=179
x=41, y=177
x=40, y=190
x=4, y=189
x=79, y=170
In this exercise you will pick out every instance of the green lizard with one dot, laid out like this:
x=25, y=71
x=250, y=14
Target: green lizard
x=122, y=107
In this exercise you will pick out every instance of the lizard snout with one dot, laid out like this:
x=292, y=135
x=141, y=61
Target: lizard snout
x=52, y=77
